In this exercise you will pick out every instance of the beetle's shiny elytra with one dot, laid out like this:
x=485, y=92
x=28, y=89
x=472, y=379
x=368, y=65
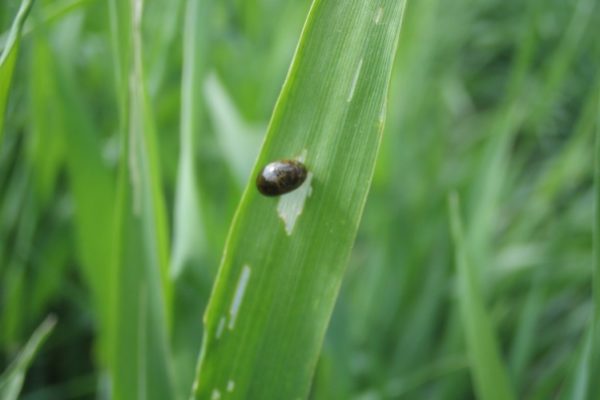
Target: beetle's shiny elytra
x=280, y=177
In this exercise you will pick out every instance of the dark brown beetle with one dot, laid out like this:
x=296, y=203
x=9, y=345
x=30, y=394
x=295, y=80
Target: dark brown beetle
x=280, y=177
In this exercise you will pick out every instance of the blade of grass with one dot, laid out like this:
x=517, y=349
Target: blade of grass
x=141, y=365
x=8, y=58
x=568, y=166
x=489, y=374
x=46, y=142
x=401, y=387
x=93, y=204
x=581, y=385
x=594, y=351
x=189, y=238
x=280, y=276
x=14, y=275
x=164, y=19
x=53, y=12
x=490, y=180
x=524, y=337
x=238, y=140
x=189, y=266
x=562, y=59
x=492, y=170
x=11, y=381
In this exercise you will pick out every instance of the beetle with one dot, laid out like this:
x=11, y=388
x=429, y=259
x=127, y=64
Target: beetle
x=281, y=177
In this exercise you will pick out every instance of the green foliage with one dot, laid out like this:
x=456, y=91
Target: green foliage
x=11, y=380
x=275, y=293
x=8, y=57
x=140, y=359
x=489, y=375
x=132, y=133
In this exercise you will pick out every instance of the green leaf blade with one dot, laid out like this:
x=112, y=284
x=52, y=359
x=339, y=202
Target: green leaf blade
x=280, y=277
x=11, y=381
x=593, y=349
x=141, y=363
x=489, y=374
x=8, y=58
x=580, y=384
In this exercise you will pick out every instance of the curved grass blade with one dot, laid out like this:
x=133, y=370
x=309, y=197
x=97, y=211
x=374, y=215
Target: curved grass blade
x=8, y=58
x=285, y=257
x=489, y=374
x=11, y=381
x=51, y=14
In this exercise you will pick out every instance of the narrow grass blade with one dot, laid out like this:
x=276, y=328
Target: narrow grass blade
x=188, y=238
x=285, y=257
x=239, y=141
x=524, y=338
x=141, y=365
x=570, y=165
x=594, y=351
x=47, y=143
x=562, y=59
x=581, y=384
x=11, y=381
x=491, y=178
x=402, y=387
x=22, y=213
x=55, y=83
x=189, y=267
x=8, y=58
x=165, y=18
x=52, y=13
x=489, y=373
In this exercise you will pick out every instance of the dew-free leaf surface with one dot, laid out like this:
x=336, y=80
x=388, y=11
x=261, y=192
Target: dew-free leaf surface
x=285, y=257
x=140, y=362
x=8, y=58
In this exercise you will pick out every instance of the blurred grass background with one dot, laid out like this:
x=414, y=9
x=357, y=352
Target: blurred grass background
x=497, y=100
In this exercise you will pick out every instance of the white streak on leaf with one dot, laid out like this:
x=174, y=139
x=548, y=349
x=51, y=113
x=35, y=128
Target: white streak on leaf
x=378, y=15
x=355, y=80
x=230, y=386
x=195, y=387
x=136, y=108
x=239, y=295
x=382, y=114
x=216, y=394
x=220, y=327
x=291, y=205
